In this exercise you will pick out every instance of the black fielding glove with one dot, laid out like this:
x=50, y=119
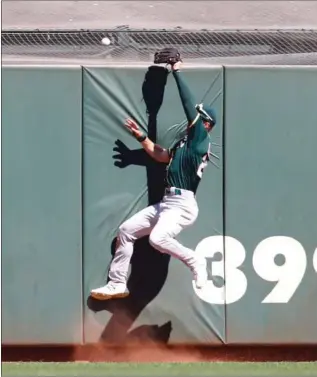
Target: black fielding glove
x=168, y=55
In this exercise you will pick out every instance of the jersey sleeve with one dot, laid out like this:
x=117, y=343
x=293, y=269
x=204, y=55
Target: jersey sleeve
x=171, y=151
x=186, y=97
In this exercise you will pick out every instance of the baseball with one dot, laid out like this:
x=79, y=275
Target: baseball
x=106, y=41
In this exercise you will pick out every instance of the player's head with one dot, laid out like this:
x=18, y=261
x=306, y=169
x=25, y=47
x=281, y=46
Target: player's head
x=207, y=115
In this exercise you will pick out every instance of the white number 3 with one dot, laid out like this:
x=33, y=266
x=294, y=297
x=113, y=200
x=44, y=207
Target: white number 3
x=234, y=285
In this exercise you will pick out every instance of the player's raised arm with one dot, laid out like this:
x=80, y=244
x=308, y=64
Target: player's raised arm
x=154, y=150
x=185, y=93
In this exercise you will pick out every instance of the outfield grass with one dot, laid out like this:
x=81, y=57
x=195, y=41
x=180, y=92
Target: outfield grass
x=160, y=369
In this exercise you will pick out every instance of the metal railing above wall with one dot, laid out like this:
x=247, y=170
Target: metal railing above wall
x=134, y=46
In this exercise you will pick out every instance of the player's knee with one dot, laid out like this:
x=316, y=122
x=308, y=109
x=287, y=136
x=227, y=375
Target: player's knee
x=125, y=232
x=157, y=240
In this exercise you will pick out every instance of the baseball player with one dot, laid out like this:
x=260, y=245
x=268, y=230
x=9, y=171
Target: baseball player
x=178, y=209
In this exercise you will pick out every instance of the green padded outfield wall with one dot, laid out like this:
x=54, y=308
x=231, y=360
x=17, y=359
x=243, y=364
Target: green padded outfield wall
x=271, y=204
x=265, y=197
x=163, y=304
x=41, y=205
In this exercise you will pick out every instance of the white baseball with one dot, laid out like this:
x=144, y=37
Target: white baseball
x=106, y=41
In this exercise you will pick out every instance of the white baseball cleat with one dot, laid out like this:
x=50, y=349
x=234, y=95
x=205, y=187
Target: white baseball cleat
x=200, y=273
x=110, y=291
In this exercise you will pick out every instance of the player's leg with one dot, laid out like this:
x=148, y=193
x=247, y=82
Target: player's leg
x=135, y=227
x=172, y=220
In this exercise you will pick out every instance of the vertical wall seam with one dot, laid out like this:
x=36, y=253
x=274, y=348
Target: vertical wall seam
x=82, y=208
x=224, y=190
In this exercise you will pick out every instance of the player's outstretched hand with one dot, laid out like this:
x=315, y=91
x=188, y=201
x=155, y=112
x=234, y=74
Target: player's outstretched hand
x=133, y=127
x=176, y=66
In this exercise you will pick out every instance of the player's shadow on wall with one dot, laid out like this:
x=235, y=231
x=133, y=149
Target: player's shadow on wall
x=148, y=266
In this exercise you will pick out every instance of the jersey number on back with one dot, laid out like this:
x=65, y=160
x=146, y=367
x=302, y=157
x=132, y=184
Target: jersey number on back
x=202, y=166
x=204, y=163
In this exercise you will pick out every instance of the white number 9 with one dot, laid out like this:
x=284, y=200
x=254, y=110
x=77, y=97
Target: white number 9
x=315, y=260
x=288, y=275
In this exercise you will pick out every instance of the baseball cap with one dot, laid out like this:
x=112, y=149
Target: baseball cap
x=206, y=112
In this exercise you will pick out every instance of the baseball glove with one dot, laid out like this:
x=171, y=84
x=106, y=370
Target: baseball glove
x=169, y=55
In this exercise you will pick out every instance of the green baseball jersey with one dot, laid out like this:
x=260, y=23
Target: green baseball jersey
x=189, y=156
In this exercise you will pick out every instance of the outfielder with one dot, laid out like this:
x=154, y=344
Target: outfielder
x=178, y=209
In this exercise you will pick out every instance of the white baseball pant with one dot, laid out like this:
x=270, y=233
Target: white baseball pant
x=162, y=221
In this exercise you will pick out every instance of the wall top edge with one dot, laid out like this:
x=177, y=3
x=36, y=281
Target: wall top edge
x=9, y=65
x=136, y=66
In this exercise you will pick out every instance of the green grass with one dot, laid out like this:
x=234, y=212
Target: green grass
x=160, y=369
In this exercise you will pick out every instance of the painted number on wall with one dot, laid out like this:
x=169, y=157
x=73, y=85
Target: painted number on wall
x=276, y=259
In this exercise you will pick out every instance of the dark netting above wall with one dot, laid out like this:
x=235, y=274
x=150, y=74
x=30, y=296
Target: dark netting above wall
x=124, y=45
